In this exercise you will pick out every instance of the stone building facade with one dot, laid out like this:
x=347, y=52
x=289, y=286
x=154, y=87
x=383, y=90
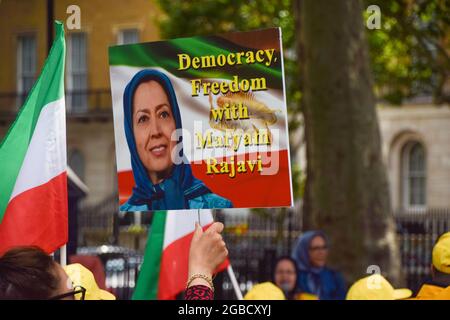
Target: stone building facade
x=416, y=150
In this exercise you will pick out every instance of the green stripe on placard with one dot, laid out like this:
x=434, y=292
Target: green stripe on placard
x=199, y=47
x=49, y=87
x=164, y=54
x=148, y=280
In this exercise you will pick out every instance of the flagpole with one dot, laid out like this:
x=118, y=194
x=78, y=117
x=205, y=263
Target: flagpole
x=63, y=255
x=234, y=282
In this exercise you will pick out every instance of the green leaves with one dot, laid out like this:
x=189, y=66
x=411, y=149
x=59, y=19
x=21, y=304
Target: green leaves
x=408, y=53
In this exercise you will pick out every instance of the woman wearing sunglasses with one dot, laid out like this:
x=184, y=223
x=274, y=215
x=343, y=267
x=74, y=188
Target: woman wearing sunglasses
x=29, y=273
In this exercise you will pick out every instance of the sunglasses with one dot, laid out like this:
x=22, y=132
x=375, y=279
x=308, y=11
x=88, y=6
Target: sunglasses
x=78, y=293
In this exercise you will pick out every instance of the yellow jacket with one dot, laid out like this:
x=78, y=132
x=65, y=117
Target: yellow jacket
x=433, y=292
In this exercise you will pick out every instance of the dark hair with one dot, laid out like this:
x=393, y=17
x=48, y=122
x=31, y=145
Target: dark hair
x=27, y=273
x=289, y=295
x=278, y=260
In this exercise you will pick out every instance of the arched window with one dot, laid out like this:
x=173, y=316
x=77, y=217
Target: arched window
x=414, y=175
x=76, y=162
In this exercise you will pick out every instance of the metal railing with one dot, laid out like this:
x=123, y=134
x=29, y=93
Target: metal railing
x=254, y=242
x=121, y=267
x=416, y=234
x=97, y=218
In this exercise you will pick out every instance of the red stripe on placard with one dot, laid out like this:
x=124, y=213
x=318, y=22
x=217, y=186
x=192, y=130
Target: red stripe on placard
x=173, y=273
x=38, y=216
x=245, y=190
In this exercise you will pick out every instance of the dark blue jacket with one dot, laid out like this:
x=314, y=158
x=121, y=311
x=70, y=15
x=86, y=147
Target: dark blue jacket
x=330, y=284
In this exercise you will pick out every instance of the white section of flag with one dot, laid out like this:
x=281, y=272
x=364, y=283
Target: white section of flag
x=46, y=154
x=180, y=223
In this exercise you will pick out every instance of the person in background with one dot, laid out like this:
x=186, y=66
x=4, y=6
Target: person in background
x=314, y=277
x=285, y=276
x=282, y=287
x=376, y=287
x=438, y=288
x=28, y=273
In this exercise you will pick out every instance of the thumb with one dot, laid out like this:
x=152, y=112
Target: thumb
x=197, y=232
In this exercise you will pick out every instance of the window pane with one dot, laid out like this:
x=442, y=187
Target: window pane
x=28, y=44
x=423, y=192
x=415, y=172
x=27, y=83
x=76, y=162
x=78, y=54
x=415, y=190
x=26, y=65
x=79, y=82
x=416, y=163
x=78, y=72
x=129, y=36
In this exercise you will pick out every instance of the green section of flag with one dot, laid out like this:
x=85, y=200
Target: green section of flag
x=164, y=54
x=49, y=87
x=148, y=280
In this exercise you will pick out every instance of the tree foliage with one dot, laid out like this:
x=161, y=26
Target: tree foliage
x=410, y=53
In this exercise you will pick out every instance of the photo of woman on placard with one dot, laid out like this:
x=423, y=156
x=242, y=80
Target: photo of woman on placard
x=151, y=115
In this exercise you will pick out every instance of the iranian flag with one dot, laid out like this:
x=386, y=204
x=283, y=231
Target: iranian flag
x=33, y=180
x=164, y=272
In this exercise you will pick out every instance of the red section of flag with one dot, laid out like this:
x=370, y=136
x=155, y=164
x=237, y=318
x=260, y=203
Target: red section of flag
x=174, y=267
x=245, y=190
x=37, y=217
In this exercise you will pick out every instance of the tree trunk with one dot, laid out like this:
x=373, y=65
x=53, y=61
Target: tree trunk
x=347, y=189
